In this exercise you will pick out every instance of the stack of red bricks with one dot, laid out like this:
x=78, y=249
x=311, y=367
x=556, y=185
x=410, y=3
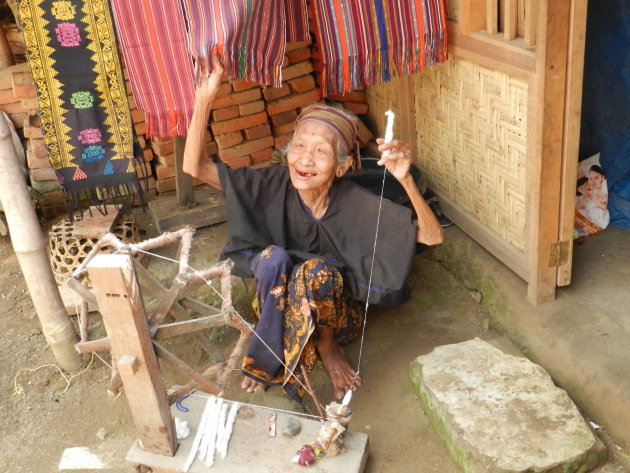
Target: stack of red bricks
x=19, y=100
x=164, y=162
x=249, y=122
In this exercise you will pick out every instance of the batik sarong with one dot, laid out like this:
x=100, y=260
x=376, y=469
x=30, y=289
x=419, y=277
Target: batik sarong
x=83, y=107
x=249, y=35
x=293, y=301
x=364, y=43
x=152, y=35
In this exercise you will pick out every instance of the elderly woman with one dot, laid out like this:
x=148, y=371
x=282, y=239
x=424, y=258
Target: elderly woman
x=308, y=238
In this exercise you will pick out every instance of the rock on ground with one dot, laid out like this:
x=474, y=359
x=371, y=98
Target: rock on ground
x=501, y=413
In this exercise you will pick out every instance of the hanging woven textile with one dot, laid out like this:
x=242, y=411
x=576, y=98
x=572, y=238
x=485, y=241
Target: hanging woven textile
x=83, y=107
x=152, y=35
x=250, y=35
x=364, y=43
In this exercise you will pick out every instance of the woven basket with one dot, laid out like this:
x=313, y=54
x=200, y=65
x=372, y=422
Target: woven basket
x=68, y=251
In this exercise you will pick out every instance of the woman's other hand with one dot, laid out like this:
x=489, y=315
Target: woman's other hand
x=396, y=157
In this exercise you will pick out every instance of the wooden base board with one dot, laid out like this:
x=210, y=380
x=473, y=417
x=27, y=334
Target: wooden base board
x=251, y=448
x=209, y=209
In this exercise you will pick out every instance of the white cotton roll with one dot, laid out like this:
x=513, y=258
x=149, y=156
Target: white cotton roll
x=229, y=426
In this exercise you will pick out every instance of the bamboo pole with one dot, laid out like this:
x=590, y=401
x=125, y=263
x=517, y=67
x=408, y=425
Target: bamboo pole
x=30, y=248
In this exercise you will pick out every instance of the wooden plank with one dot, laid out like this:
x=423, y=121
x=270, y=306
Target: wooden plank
x=572, y=116
x=94, y=224
x=545, y=138
x=200, y=307
x=187, y=326
x=119, y=298
x=203, y=382
x=166, y=299
x=168, y=215
x=529, y=27
x=471, y=15
x=492, y=16
x=497, y=246
x=510, y=20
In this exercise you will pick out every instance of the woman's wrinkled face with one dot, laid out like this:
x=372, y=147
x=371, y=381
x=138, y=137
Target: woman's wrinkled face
x=312, y=158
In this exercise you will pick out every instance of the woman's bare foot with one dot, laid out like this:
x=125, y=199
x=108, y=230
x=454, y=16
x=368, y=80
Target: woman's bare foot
x=342, y=376
x=251, y=385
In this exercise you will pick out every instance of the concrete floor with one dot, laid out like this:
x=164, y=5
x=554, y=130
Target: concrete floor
x=582, y=338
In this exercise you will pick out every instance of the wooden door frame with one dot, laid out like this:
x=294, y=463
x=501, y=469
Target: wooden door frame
x=554, y=133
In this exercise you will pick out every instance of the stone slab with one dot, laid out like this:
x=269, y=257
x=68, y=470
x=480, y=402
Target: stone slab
x=209, y=209
x=251, y=449
x=500, y=413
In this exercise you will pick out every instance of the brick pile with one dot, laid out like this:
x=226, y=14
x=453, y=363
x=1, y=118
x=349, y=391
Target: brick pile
x=164, y=162
x=249, y=122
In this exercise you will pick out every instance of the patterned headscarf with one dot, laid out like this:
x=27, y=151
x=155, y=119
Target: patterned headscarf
x=339, y=122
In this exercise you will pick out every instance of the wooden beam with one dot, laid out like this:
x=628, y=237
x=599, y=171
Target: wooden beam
x=510, y=20
x=572, y=116
x=188, y=326
x=201, y=381
x=492, y=16
x=496, y=48
x=529, y=26
x=166, y=300
x=118, y=295
x=199, y=307
x=545, y=138
x=101, y=344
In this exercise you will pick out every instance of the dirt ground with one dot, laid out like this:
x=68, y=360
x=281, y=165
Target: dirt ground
x=43, y=414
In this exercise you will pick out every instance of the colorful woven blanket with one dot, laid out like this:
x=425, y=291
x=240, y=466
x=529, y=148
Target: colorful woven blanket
x=364, y=43
x=152, y=34
x=83, y=107
x=250, y=35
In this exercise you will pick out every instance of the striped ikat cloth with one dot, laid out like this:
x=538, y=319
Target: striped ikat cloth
x=249, y=35
x=152, y=34
x=365, y=43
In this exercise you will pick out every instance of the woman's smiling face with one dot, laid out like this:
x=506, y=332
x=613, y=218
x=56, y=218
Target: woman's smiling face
x=312, y=158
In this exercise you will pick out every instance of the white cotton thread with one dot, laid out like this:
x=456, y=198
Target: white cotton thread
x=198, y=436
x=389, y=136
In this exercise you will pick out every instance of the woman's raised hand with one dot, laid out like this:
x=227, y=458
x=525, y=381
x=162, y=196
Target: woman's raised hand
x=211, y=82
x=396, y=157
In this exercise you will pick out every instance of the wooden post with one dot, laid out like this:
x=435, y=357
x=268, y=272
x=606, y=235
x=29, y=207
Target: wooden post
x=30, y=246
x=547, y=122
x=183, y=181
x=118, y=295
x=510, y=19
x=572, y=116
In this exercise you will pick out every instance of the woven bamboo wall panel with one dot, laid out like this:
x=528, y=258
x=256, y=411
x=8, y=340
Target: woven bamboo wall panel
x=472, y=128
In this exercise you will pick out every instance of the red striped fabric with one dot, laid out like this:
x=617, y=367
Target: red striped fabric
x=364, y=43
x=152, y=35
x=249, y=35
